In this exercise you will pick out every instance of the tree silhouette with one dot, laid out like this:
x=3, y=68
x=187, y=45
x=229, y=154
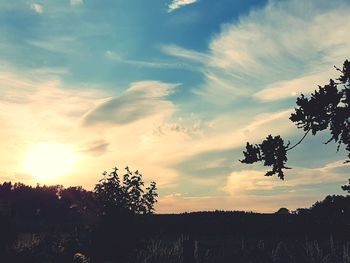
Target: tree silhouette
x=128, y=195
x=327, y=108
x=346, y=187
x=120, y=203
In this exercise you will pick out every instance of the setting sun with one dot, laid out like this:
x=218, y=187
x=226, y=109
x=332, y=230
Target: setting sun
x=45, y=162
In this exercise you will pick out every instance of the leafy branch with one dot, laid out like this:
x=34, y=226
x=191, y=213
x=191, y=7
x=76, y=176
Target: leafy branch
x=327, y=108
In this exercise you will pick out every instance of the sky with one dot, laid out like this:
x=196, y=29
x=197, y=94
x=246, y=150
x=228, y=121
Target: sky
x=172, y=88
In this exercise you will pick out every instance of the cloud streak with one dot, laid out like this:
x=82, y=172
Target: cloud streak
x=175, y=4
x=253, y=181
x=97, y=148
x=76, y=2
x=112, y=56
x=140, y=100
x=38, y=8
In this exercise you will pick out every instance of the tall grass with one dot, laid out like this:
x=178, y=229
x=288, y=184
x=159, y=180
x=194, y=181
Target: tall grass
x=246, y=250
x=204, y=249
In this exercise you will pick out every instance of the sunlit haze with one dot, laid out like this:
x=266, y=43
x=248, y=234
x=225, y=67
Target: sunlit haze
x=47, y=162
x=173, y=89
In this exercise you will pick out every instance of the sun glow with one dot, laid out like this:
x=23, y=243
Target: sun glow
x=46, y=162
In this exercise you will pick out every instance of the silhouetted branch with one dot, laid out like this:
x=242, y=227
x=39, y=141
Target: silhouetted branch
x=327, y=108
x=299, y=142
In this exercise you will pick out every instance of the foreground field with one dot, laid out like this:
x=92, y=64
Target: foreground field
x=183, y=249
x=57, y=225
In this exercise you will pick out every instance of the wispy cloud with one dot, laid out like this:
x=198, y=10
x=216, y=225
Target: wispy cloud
x=175, y=4
x=76, y=2
x=143, y=63
x=38, y=8
x=249, y=181
x=140, y=100
x=294, y=87
x=60, y=44
x=97, y=147
x=275, y=52
x=174, y=50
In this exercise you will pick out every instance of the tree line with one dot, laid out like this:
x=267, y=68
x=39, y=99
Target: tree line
x=106, y=223
x=113, y=193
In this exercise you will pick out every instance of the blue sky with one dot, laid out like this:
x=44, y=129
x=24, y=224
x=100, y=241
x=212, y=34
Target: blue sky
x=172, y=88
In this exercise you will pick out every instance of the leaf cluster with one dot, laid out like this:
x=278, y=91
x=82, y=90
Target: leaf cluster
x=272, y=152
x=327, y=108
x=346, y=187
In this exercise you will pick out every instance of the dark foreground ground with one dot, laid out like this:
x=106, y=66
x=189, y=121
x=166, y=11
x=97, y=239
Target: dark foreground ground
x=320, y=234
